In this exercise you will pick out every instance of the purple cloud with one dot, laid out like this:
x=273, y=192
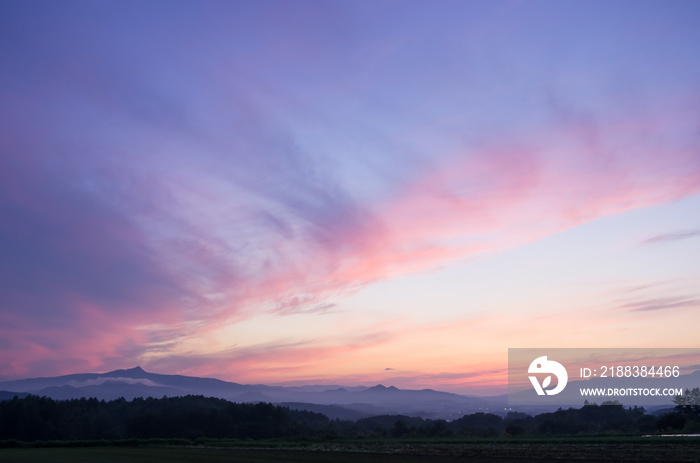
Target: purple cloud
x=221, y=160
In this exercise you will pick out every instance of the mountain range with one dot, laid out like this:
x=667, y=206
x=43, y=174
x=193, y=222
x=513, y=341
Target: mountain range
x=333, y=401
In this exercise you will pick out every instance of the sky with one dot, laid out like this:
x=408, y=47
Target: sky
x=345, y=192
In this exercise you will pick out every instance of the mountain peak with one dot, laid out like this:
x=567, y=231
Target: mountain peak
x=136, y=372
x=382, y=388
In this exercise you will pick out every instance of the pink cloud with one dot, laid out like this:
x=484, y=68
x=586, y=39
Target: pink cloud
x=247, y=225
x=506, y=196
x=482, y=201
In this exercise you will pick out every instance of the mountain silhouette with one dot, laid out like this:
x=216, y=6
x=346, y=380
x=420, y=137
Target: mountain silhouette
x=337, y=400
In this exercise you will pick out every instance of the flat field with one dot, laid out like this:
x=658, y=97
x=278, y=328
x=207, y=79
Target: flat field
x=440, y=451
x=203, y=455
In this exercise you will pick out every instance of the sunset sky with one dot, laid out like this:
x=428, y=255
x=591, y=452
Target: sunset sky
x=345, y=192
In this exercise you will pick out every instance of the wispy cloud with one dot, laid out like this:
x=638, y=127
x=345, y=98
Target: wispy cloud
x=671, y=237
x=209, y=184
x=648, y=305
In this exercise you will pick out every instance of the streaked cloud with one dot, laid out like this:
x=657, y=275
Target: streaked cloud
x=159, y=189
x=661, y=304
x=671, y=237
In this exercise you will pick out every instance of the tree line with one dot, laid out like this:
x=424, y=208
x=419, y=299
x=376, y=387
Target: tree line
x=35, y=418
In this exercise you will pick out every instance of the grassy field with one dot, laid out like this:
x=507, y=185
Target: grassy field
x=390, y=451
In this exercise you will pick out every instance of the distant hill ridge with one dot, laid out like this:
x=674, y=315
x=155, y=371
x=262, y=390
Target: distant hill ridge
x=336, y=401
x=344, y=401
